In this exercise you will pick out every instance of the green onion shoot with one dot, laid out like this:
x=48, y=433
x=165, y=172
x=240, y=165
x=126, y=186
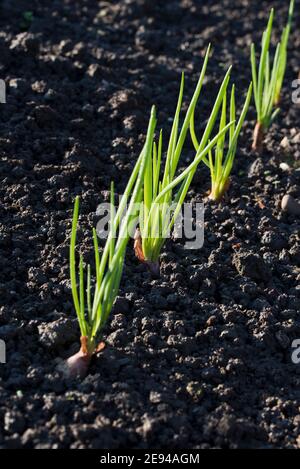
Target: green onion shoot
x=268, y=80
x=283, y=54
x=93, y=305
x=220, y=165
x=161, y=205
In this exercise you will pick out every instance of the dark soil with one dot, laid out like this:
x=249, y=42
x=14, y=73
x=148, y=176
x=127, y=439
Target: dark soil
x=202, y=357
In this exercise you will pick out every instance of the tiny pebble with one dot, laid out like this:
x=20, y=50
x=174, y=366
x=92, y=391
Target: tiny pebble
x=285, y=143
x=290, y=205
x=284, y=167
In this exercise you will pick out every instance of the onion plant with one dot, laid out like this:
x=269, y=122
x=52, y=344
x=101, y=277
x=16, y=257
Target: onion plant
x=161, y=205
x=220, y=165
x=267, y=79
x=283, y=54
x=93, y=305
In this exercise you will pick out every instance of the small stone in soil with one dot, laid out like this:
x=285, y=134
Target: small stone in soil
x=290, y=205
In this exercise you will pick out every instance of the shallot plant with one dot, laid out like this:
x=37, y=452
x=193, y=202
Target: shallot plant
x=220, y=165
x=268, y=79
x=161, y=205
x=283, y=54
x=93, y=305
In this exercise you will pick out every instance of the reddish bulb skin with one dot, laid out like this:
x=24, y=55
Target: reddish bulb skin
x=78, y=365
x=258, y=137
x=153, y=267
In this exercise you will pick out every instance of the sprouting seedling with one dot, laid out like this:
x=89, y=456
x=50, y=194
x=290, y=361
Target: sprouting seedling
x=160, y=206
x=283, y=54
x=267, y=81
x=264, y=84
x=220, y=165
x=93, y=305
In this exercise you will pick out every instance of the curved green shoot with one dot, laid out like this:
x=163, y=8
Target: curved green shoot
x=92, y=315
x=160, y=204
x=283, y=54
x=268, y=78
x=220, y=165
